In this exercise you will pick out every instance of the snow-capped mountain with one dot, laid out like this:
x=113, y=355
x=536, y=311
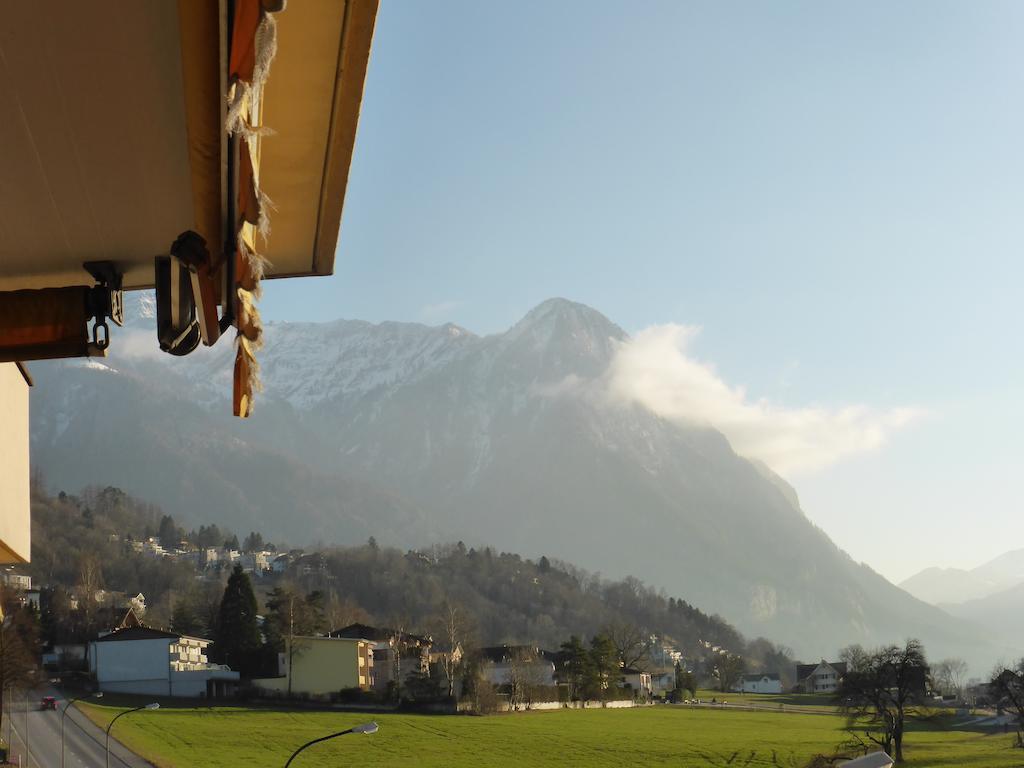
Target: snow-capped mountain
x=414, y=434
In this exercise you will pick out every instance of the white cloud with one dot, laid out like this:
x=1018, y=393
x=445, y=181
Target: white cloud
x=136, y=343
x=655, y=369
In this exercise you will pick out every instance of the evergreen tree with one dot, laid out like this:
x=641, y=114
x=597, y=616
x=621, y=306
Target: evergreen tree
x=168, y=533
x=207, y=536
x=290, y=614
x=187, y=618
x=685, y=681
x=603, y=671
x=253, y=542
x=237, y=635
x=575, y=667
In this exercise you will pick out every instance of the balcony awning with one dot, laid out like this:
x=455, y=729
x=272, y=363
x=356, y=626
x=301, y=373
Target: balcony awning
x=111, y=133
x=121, y=128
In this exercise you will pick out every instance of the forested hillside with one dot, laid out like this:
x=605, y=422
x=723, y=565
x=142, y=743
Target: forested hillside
x=82, y=543
x=512, y=599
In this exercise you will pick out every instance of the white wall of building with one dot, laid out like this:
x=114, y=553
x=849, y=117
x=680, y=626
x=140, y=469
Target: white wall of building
x=133, y=662
x=156, y=666
x=193, y=684
x=760, y=685
x=538, y=672
x=15, y=528
x=140, y=687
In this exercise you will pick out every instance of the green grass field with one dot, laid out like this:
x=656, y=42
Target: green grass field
x=664, y=735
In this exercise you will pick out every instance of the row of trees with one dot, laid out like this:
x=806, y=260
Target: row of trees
x=510, y=598
x=590, y=671
x=171, y=535
x=19, y=647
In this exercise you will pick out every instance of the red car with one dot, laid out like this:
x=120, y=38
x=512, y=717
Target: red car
x=48, y=702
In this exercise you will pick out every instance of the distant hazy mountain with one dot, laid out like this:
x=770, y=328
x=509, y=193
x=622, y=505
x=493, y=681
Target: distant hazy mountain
x=1001, y=614
x=414, y=433
x=991, y=596
x=955, y=585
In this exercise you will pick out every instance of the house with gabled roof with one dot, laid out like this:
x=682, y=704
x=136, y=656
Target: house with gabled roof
x=499, y=663
x=759, y=682
x=823, y=677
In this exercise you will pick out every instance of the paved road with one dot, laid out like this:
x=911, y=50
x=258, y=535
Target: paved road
x=35, y=738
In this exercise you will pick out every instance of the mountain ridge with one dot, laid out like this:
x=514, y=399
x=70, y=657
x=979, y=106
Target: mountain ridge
x=951, y=586
x=431, y=431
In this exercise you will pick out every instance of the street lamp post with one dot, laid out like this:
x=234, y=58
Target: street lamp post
x=28, y=736
x=364, y=728
x=96, y=695
x=154, y=705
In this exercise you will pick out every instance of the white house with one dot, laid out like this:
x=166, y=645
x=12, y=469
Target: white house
x=138, y=604
x=153, y=547
x=153, y=662
x=823, y=677
x=254, y=562
x=16, y=581
x=638, y=680
x=501, y=662
x=761, y=682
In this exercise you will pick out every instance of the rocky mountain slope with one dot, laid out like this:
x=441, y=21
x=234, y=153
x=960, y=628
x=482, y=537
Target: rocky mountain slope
x=416, y=434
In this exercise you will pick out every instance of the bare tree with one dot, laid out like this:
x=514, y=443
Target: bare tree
x=342, y=611
x=957, y=675
x=1007, y=687
x=90, y=581
x=480, y=689
x=630, y=643
x=728, y=669
x=948, y=676
x=527, y=677
x=877, y=691
x=452, y=628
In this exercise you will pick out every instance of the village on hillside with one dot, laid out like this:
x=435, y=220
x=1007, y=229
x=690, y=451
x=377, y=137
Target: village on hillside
x=300, y=657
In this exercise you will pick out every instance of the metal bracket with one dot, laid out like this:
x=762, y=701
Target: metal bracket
x=105, y=300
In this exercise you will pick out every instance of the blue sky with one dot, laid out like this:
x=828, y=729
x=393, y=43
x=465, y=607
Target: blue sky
x=832, y=192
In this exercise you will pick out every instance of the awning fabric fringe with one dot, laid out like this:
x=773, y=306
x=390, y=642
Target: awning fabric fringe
x=253, y=45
